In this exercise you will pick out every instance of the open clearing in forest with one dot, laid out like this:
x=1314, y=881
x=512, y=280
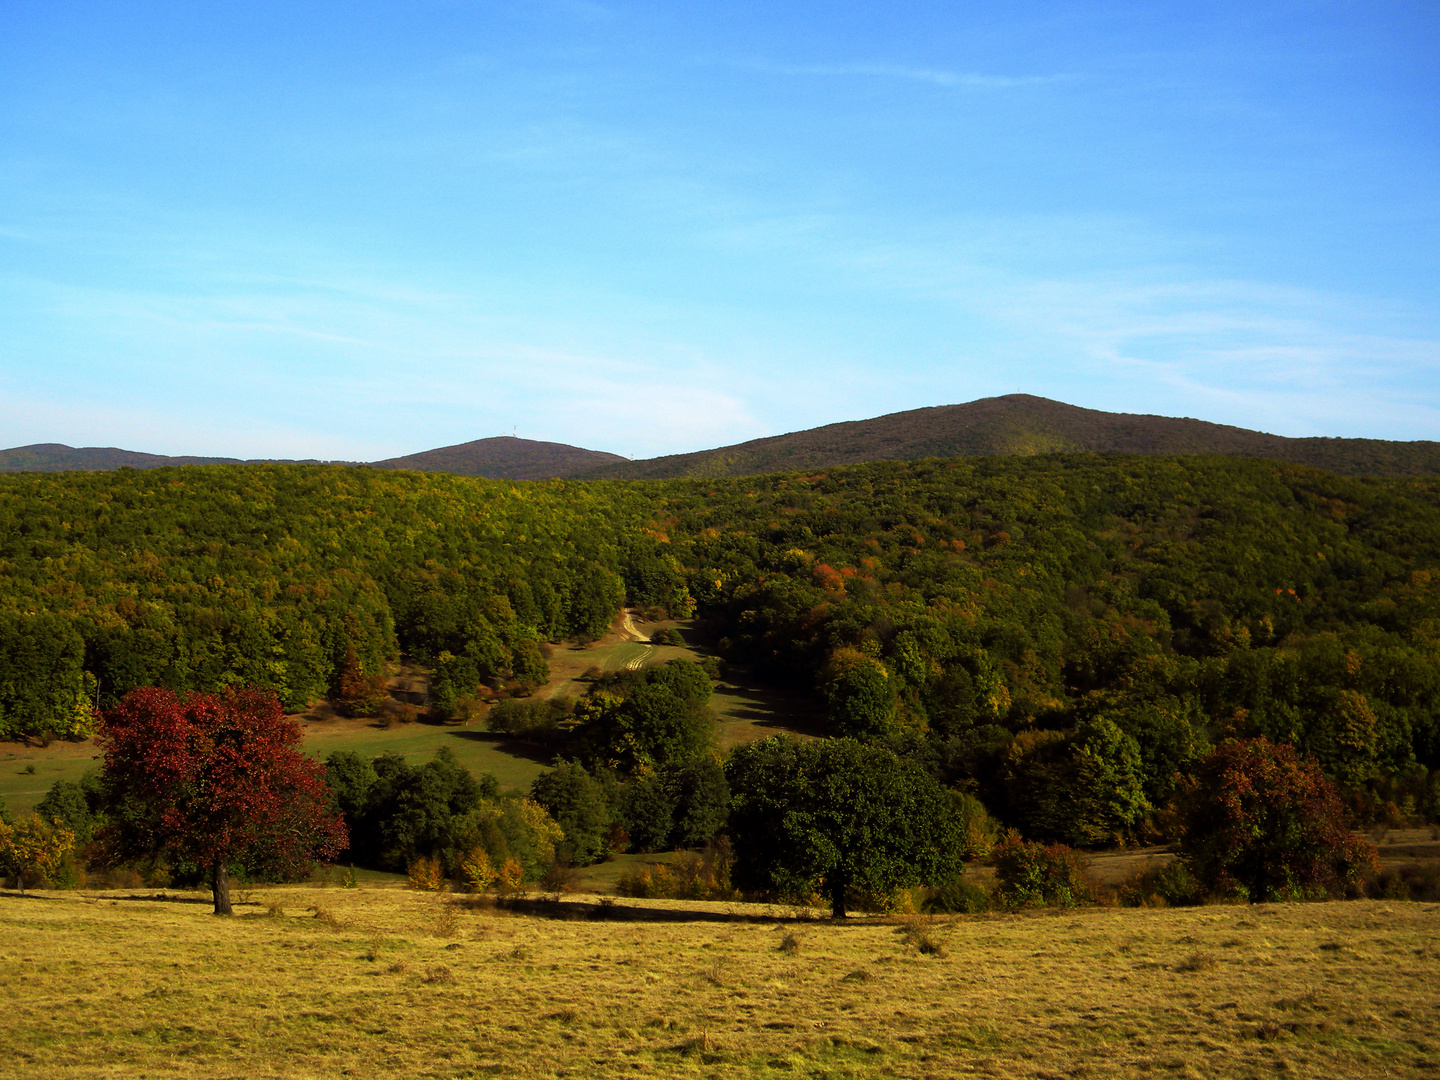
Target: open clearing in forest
x=744, y=711
x=381, y=982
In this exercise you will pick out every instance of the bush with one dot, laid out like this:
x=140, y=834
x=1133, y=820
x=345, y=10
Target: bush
x=427, y=875
x=978, y=829
x=75, y=804
x=477, y=873
x=1419, y=882
x=687, y=876
x=1160, y=885
x=535, y=721
x=959, y=895
x=33, y=851
x=1031, y=874
x=511, y=877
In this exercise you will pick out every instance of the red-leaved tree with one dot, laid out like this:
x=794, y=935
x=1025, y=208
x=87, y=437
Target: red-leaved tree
x=216, y=780
x=1263, y=823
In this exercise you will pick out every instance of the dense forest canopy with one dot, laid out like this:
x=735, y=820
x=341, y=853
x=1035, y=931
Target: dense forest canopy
x=1063, y=635
x=1007, y=615
x=199, y=578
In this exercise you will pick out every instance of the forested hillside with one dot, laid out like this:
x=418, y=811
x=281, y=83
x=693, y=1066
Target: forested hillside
x=199, y=578
x=1022, y=424
x=1048, y=633
x=1030, y=626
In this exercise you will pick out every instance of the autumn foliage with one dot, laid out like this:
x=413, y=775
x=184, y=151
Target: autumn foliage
x=215, y=780
x=1261, y=822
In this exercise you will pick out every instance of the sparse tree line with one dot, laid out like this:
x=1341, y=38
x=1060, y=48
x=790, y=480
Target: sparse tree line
x=204, y=788
x=1058, y=646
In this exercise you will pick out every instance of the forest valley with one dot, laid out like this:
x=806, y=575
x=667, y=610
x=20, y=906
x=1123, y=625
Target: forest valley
x=1016, y=656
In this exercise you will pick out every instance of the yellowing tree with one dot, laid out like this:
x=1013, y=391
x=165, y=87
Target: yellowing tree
x=33, y=849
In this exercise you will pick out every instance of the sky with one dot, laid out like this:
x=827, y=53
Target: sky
x=356, y=230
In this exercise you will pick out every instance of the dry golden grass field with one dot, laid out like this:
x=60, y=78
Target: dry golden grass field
x=385, y=982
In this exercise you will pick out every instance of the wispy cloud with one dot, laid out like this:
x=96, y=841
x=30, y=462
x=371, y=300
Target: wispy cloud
x=965, y=80
x=1290, y=360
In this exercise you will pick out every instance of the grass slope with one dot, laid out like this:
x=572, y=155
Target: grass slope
x=387, y=982
x=1020, y=424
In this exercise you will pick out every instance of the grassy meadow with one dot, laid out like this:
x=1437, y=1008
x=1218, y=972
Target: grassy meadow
x=385, y=982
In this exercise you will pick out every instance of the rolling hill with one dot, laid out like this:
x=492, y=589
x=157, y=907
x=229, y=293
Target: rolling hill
x=57, y=457
x=1019, y=424
x=1016, y=424
x=506, y=458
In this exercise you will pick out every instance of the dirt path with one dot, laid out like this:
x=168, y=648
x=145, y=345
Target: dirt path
x=628, y=628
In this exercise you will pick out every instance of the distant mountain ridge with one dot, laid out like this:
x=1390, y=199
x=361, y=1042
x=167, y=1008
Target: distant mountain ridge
x=505, y=458
x=1021, y=424
x=502, y=458
x=57, y=457
x=1016, y=424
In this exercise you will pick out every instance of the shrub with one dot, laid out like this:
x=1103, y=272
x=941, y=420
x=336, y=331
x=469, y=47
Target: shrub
x=1031, y=874
x=1419, y=882
x=477, y=872
x=687, y=876
x=959, y=895
x=76, y=805
x=510, y=877
x=426, y=874
x=977, y=828
x=922, y=936
x=1260, y=822
x=1167, y=884
x=33, y=851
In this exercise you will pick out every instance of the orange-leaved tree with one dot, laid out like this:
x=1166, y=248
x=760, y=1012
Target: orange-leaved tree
x=1262, y=823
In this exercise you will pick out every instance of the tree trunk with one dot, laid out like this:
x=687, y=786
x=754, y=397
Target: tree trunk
x=220, y=888
x=838, y=889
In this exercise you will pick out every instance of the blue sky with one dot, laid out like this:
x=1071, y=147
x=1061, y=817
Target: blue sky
x=364, y=229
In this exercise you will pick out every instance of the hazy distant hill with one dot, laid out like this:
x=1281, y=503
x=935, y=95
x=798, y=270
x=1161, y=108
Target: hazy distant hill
x=57, y=457
x=505, y=458
x=1014, y=424
x=1022, y=424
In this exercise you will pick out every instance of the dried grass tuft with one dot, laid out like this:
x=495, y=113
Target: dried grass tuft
x=1200, y=961
x=326, y=917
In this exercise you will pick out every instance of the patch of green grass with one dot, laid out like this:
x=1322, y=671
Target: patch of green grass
x=21, y=790
x=476, y=749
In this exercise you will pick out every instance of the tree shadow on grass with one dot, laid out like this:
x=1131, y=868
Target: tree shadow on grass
x=504, y=743
x=608, y=909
